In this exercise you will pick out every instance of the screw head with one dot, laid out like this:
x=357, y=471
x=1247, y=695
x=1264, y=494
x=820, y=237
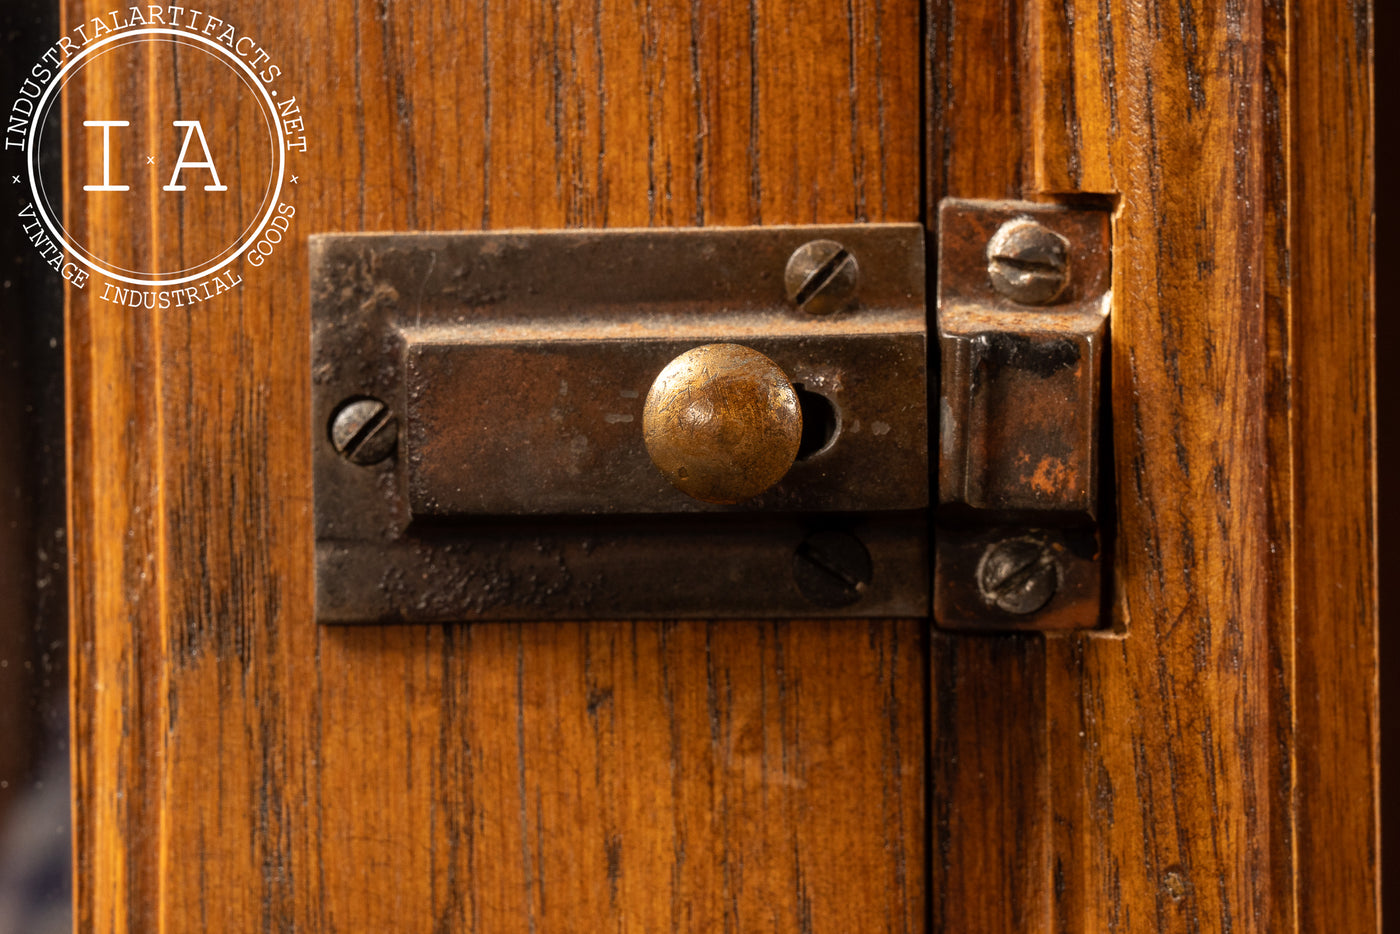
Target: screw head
x=832, y=568
x=364, y=431
x=1018, y=576
x=1028, y=263
x=821, y=277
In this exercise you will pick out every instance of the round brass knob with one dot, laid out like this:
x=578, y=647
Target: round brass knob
x=722, y=423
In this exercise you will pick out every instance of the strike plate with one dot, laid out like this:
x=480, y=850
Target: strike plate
x=477, y=447
x=1024, y=292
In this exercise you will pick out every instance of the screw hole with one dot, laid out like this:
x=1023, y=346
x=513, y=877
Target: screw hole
x=820, y=423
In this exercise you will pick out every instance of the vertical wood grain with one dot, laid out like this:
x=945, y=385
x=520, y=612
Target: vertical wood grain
x=240, y=768
x=1176, y=713
x=1207, y=765
x=1281, y=435
x=1332, y=235
x=1210, y=766
x=990, y=844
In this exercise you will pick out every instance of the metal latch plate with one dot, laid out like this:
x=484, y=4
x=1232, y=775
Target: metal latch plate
x=514, y=366
x=1018, y=540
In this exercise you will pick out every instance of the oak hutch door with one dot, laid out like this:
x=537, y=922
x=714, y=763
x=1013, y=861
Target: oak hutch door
x=1205, y=763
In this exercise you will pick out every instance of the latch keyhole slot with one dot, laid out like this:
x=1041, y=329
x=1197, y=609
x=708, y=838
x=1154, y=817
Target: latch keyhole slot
x=820, y=422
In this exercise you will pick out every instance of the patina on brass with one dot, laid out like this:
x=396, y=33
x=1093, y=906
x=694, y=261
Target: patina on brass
x=722, y=423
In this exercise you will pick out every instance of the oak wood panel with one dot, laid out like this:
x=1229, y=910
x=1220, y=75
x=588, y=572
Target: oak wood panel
x=1171, y=772
x=990, y=845
x=1332, y=291
x=1281, y=434
x=1298, y=79
x=239, y=768
x=1213, y=757
x=1141, y=782
x=1213, y=761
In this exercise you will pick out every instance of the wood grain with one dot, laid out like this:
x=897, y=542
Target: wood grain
x=1174, y=757
x=990, y=846
x=240, y=768
x=1204, y=764
x=1332, y=292
x=1207, y=764
x=1280, y=434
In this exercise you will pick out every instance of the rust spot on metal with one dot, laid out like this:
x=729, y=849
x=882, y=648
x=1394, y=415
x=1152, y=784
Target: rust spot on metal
x=1052, y=478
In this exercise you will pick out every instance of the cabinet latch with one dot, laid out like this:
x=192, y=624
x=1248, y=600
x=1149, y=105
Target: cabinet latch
x=711, y=423
x=1023, y=307
x=627, y=424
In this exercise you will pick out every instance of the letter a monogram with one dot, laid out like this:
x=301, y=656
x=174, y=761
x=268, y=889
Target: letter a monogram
x=180, y=163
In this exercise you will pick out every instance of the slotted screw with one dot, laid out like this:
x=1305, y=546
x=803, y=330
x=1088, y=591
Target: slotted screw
x=364, y=431
x=832, y=568
x=821, y=277
x=1018, y=576
x=1028, y=262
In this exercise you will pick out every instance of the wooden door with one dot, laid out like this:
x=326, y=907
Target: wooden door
x=1208, y=763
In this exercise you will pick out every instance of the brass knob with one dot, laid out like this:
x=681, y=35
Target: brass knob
x=722, y=423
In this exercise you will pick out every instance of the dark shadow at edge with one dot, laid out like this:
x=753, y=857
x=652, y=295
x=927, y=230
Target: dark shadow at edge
x=1387, y=337
x=35, y=813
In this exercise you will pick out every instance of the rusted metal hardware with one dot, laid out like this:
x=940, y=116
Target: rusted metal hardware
x=1027, y=262
x=1022, y=344
x=832, y=568
x=364, y=431
x=513, y=370
x=1019, y=575
x=821, y=277
x=722, y=423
